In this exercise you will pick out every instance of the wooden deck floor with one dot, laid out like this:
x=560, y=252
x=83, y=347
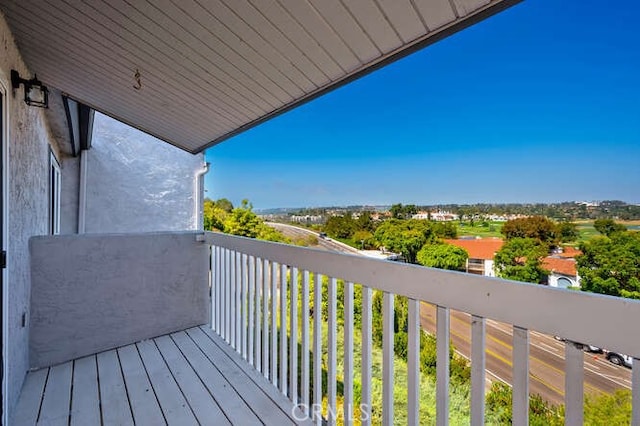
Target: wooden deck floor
x=189, y=377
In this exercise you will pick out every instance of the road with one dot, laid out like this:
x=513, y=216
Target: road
x=292, y=231
x=546, y=354
x=546, y=358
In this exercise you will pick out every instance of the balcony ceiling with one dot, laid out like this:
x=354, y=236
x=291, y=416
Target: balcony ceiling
x=195, y=72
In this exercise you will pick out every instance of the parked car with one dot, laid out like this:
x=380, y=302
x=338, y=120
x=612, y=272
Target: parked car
x=585, y=347
x=619, y=359
x=322, y=235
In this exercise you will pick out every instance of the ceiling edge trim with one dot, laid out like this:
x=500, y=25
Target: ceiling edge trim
x=418, y=44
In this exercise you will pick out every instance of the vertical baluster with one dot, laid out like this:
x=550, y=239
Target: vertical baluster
x=442, y=366
x=213, y=276
x=332, y=343
x=251, y=297
x=244, y=287
x=265, y=318
x=234, y=314
x=227, y=294
x=316, y=411
x=304, y=384
x=574, y=383
x=387, y=358
x=413, y=363
x=223, y=294
x=240, y=308
x=283, y=329
x=348, y=355
x=365, y=369
x=219, y=282
x=520, y=376
x=635, y=392
x=478, y=361
x=274, y=325
x=257, y=333
x=293, y=336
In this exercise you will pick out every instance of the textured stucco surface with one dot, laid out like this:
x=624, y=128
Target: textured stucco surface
x=94, y=292
x=70, y=170
x=135, y=183
x=27, y=188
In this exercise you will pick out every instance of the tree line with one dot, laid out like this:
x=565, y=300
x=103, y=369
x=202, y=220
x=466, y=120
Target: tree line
x=563, y=211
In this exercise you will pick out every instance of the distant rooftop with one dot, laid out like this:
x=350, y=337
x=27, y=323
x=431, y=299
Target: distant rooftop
x=484, y=248
x=559, y=265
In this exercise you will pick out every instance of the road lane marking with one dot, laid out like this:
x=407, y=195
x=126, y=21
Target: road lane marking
x=549, y=348
x=499, y=327
x=587, y=366
x=510, y=364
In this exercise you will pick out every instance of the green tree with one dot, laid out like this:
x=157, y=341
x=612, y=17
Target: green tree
x=340, y=226
x=445, y=229
x=443, y=256
x=567, y=232
x=244, y=222
x=213, y=216
x=520, y=259
x=608, y=226
x=537, y=227
x=365, y=222
x=404, y=236
x=224, y=204
x=398, y=211
x=611, y=265
x=364, y=239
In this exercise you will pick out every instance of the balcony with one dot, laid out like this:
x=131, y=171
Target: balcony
x=202, y=324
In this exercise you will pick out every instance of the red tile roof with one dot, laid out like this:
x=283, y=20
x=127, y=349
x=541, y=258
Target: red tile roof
x=484, y=248
x=570, y=252
x=560, y=265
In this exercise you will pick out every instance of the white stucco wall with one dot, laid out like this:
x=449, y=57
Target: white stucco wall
x=29, y=142
x=489, y=270
x=135, y=183
x=553, y=280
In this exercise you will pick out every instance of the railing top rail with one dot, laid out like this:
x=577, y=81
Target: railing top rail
x=604, y=321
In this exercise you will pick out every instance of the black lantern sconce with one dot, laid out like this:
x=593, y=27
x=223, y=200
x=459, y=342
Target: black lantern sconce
x=35, y=93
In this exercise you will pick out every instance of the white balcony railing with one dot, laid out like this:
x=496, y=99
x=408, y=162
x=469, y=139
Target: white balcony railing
x=251, y=287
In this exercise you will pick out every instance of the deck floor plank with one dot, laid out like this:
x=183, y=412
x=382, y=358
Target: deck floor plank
x=85, y=399
x=259, y=393
x=31, y=397
x=57, y=396
x=234, y=407
x=175, y=407
x=142, y=397
x=188, y=377
x=113, y=392
x=204, y=406
x=277, y=398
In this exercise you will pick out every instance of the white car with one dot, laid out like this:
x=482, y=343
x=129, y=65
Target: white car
x=620, y=359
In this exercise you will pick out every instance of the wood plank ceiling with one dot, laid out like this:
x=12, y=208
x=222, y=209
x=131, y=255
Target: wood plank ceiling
x=195, y=72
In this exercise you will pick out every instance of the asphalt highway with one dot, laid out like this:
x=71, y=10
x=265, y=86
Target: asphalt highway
x=546, y=358
x=291, y=231
x=546, y=354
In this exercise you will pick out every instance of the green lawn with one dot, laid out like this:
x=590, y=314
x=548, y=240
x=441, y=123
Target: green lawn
x=587, y=231
x=489, y=230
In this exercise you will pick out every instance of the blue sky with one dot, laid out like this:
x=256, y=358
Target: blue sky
x=540, y=103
